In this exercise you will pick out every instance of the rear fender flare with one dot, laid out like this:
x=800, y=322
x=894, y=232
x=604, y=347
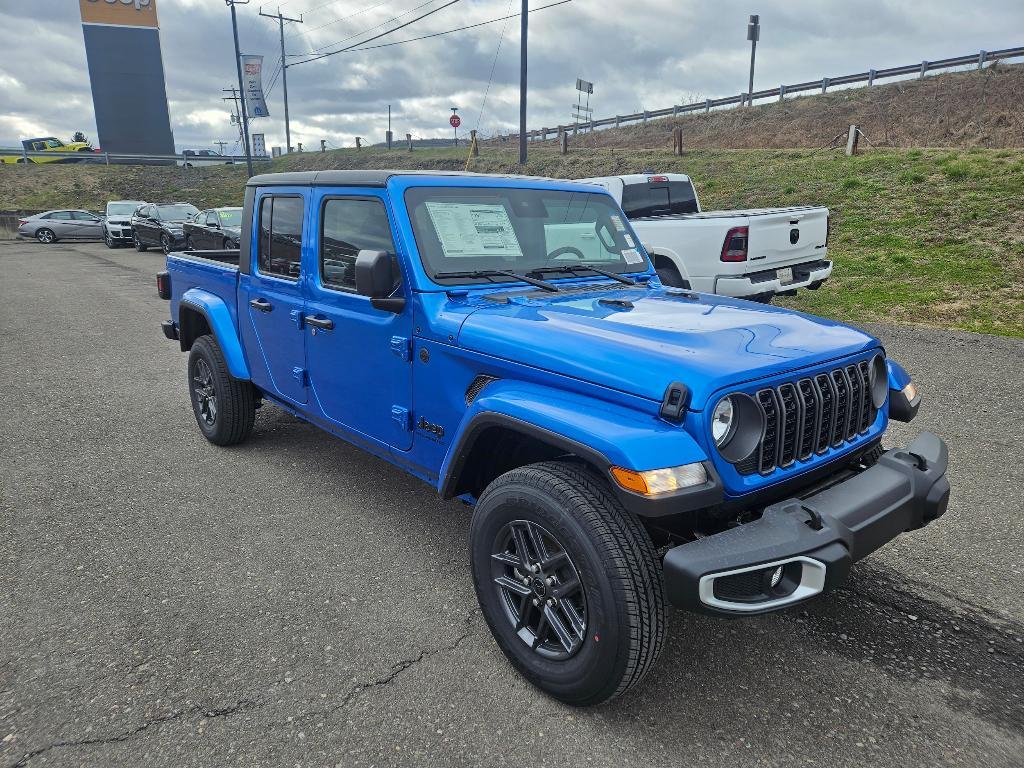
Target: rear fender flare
x=601, y=433
x=218, y=317
x=666, y=253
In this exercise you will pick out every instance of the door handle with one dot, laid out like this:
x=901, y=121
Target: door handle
x=323, y=323
x=262, y=305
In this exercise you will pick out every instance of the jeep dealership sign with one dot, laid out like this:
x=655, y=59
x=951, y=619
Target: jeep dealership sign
x=128, y=13
x=126, y=72
x=252, y=86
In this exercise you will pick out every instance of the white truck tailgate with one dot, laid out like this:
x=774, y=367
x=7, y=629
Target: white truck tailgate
x=779, y=237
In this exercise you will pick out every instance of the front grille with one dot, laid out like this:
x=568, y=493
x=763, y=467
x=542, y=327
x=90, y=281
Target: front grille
x=808, y=416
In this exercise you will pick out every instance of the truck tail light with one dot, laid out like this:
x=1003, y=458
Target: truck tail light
x=163, y=285
x=828, y=228
x=735, y=246
x=657, y=179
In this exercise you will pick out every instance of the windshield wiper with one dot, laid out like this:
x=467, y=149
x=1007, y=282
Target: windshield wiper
x=499, y=273
x=574, y=268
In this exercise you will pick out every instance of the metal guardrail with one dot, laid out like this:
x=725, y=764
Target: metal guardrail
x=980, y=59
x=119, y=158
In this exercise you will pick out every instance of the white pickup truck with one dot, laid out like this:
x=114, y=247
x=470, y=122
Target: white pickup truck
x=753, y=254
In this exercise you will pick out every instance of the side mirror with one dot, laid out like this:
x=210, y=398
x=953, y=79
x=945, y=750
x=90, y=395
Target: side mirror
x=375, y=278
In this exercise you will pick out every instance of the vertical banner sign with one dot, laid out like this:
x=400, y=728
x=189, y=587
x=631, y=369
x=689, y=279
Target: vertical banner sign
x=252, y=84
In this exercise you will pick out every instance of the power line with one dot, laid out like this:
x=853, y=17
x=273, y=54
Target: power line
x=377, y=37
x=362, y=32
x=338, y=20
x=354, y=49
x=494, y=63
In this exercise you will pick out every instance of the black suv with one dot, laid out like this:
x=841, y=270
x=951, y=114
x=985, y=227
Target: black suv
x=160, y=225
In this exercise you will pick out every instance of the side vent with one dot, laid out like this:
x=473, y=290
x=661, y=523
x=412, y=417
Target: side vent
x=476, y=386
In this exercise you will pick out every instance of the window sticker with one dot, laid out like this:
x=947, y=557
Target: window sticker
x=617, y=221
x=629, y=241
x=632, y=256
x=473, y=229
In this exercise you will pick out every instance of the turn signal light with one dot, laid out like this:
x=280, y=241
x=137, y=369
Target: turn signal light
x=654, y=482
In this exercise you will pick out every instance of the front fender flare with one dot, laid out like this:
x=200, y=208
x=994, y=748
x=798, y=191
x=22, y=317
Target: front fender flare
x=599, y=432
x=218, y=317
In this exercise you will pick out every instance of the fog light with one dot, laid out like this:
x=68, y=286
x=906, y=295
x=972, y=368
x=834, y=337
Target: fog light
x=776, y=577
x=654, y=482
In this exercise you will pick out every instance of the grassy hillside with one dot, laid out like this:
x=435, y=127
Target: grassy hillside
x=921, y=236
x=957, y=109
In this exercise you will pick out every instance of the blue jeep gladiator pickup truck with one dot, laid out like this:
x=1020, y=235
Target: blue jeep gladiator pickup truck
x=625, y=445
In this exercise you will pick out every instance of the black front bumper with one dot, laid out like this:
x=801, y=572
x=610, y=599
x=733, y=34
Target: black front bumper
x=808, y=544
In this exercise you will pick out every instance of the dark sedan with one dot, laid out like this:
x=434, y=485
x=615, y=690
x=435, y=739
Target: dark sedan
x=160, y=225
x=213, y=229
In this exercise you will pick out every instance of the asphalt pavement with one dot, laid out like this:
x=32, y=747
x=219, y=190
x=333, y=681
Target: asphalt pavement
x=293, y=601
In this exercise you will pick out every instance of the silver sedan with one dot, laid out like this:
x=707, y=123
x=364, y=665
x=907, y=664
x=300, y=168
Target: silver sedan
x=51, y=226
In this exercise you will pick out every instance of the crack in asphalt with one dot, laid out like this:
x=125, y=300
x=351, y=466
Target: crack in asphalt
x=240, y=706
x=396, y=669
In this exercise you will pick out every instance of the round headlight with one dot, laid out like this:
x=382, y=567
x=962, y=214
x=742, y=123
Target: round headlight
x=722, y=421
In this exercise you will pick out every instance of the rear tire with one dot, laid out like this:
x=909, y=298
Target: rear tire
x=46, y=236
x=224, y=407
x=138, y=243
x=670, y=277
x=189, y=243
x=616, y=622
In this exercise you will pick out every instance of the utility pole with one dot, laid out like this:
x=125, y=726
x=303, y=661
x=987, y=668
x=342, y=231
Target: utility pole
x=524, y=15
x=241, y=87
x=753, y=35
x=221, y=144
x=284, y=71
x=236, y=118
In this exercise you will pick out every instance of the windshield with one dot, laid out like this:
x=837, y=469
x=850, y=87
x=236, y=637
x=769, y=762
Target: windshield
x=230, y=217
x=178, y=212
x=121, y=209
x=519, y=230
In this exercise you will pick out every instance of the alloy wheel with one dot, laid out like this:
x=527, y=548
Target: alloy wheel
x=44, y=236
x=165, y=243
x=206, y=395
x=540, y=589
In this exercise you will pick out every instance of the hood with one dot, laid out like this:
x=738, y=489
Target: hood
x=235, y=232
x=707, y=342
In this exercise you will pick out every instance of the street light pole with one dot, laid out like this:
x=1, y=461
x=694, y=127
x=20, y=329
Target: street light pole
x=284, y=72
x=241, y=85
x=523, y=23
x=753, y=34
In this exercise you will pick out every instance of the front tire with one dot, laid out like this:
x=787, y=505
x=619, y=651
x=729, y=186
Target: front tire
x=165, y=244
x=108, y=240
x=138, y=243
x=46, y=236
x=568, y=582
x=224, y=407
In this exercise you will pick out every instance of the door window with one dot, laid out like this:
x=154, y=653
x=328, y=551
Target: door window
x=211, y=219
x=349, y=225
x=280, y=236
x=83, y=216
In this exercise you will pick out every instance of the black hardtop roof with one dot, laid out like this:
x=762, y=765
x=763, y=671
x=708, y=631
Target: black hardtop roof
x=360, y=178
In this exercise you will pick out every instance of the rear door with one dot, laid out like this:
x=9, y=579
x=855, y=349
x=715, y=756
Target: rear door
x=62, y=223
x=359, y=367
x=780, y=238
x=271, y=295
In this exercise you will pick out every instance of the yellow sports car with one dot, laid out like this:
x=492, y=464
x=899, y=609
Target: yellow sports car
x=61, y=151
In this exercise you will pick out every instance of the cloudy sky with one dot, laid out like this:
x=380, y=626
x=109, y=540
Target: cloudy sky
x=640, y=54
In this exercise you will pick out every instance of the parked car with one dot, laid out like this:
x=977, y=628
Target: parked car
x=624, y=443
x=753, y=254
x=197, y=157
x=117, y=227
x=214, y=228
x=71, y=224
x=161, y=225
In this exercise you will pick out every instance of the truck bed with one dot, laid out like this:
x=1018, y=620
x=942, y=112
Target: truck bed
x=746, y=213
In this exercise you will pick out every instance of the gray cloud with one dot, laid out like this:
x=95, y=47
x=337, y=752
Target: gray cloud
x=644, y=54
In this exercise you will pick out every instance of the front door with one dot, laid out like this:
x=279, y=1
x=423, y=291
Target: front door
x=272, y=300
x=359, y=367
